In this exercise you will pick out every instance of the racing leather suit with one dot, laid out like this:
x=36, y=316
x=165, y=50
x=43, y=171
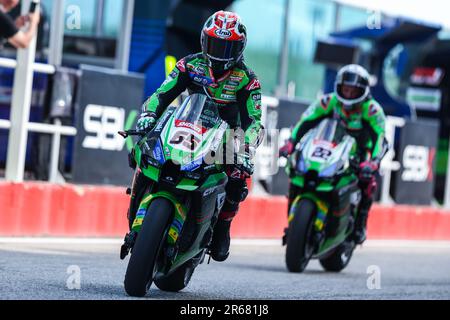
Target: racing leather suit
x=365, y=123
x=237, y=93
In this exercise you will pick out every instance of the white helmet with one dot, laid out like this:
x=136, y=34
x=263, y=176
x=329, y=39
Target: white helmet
x=352, y=75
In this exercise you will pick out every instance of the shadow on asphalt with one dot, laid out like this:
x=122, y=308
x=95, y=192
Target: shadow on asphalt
x=282, y=269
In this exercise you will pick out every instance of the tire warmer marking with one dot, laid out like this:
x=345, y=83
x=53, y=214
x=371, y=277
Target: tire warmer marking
x=177, y=223
x=322, y=210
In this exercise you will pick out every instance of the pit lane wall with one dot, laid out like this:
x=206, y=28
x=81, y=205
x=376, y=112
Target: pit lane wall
x=41, y=209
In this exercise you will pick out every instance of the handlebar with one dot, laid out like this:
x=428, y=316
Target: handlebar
x=127, y=133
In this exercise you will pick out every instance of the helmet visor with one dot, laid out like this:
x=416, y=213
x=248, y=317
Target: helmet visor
x=350, y=92
x=222, y=50
x=353, y=79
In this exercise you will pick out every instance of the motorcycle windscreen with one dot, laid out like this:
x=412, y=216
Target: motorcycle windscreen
x=197, y=113
x=329, y=130
x=323, y=151
x=193, y=131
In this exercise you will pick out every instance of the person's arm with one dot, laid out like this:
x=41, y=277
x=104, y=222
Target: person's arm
x=375, y=118
x=175, y=84
x=249, y=100
x=22, y=39
x=7, y=26
x=312, y=117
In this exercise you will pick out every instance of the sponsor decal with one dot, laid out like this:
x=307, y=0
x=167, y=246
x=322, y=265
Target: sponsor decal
x=209, y=191
x=237, y=74
x=236, y=79
x=189, y=125
x=200, y=70
x=372, y=110
x=141, y=213
x=256, y=97
x=228, y=87
x=200, y=79
x=228, y=96
x=192, y=166
x=236, y=174
x=223, y=33
x=174, y=74
x=253, y=85
x=180, y=65
x=158, y=153
x=210, y=167
x=233, y=83
x=325, y=101
x=220, y=200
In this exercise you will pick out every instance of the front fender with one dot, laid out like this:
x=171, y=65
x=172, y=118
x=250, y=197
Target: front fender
x=322, y=209
x=179, y=217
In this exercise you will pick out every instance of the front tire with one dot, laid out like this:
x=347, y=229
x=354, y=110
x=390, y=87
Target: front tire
x=299, y=249
x=147, y=249
x=339, y=259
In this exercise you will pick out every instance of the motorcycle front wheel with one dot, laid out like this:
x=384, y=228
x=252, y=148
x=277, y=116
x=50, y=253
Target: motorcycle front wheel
x=299, y=249
x=142, y=265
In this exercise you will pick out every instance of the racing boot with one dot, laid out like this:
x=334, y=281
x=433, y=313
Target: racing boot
x=368, y=186
x=360, y=233
x=220, y=244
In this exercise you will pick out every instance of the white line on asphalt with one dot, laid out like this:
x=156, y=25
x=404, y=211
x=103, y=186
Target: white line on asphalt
x=237, y=242
x=61, y=240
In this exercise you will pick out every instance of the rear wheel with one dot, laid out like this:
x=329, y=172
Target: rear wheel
x=339, y=259
x=299, y=249
x=142, y=265
x=179, y=279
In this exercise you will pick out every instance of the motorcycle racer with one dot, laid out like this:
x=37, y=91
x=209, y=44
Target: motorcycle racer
x=363, y=118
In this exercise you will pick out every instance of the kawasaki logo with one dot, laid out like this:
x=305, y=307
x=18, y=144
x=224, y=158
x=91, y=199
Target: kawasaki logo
x=223, y=33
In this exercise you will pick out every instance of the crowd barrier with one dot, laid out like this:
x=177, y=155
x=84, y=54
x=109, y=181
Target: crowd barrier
x=43, y=209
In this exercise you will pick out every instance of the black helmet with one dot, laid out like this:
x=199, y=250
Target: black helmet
x=355, y=78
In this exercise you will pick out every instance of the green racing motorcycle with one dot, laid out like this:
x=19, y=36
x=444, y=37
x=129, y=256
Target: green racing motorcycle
x=175, y=219
x=322, y=216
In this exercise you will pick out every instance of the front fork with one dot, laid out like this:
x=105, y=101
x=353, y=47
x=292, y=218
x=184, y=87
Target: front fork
x=139, y=186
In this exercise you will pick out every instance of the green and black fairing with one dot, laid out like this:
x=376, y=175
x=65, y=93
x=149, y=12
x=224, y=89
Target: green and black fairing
x=177, y=157
x=322, y=170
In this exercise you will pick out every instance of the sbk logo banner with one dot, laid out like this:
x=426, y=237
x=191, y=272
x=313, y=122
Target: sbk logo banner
x=102, y=123
x=414, y=183
x=107, y=103
x=418, y=163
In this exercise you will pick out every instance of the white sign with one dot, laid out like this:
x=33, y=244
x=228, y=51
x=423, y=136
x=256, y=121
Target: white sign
x=424, y=99
x=104, y=122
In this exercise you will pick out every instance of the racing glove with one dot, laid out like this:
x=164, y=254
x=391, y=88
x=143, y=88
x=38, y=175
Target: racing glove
x=287, y=149
x=146, y=121
x=367, y=170
x=245, y=165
